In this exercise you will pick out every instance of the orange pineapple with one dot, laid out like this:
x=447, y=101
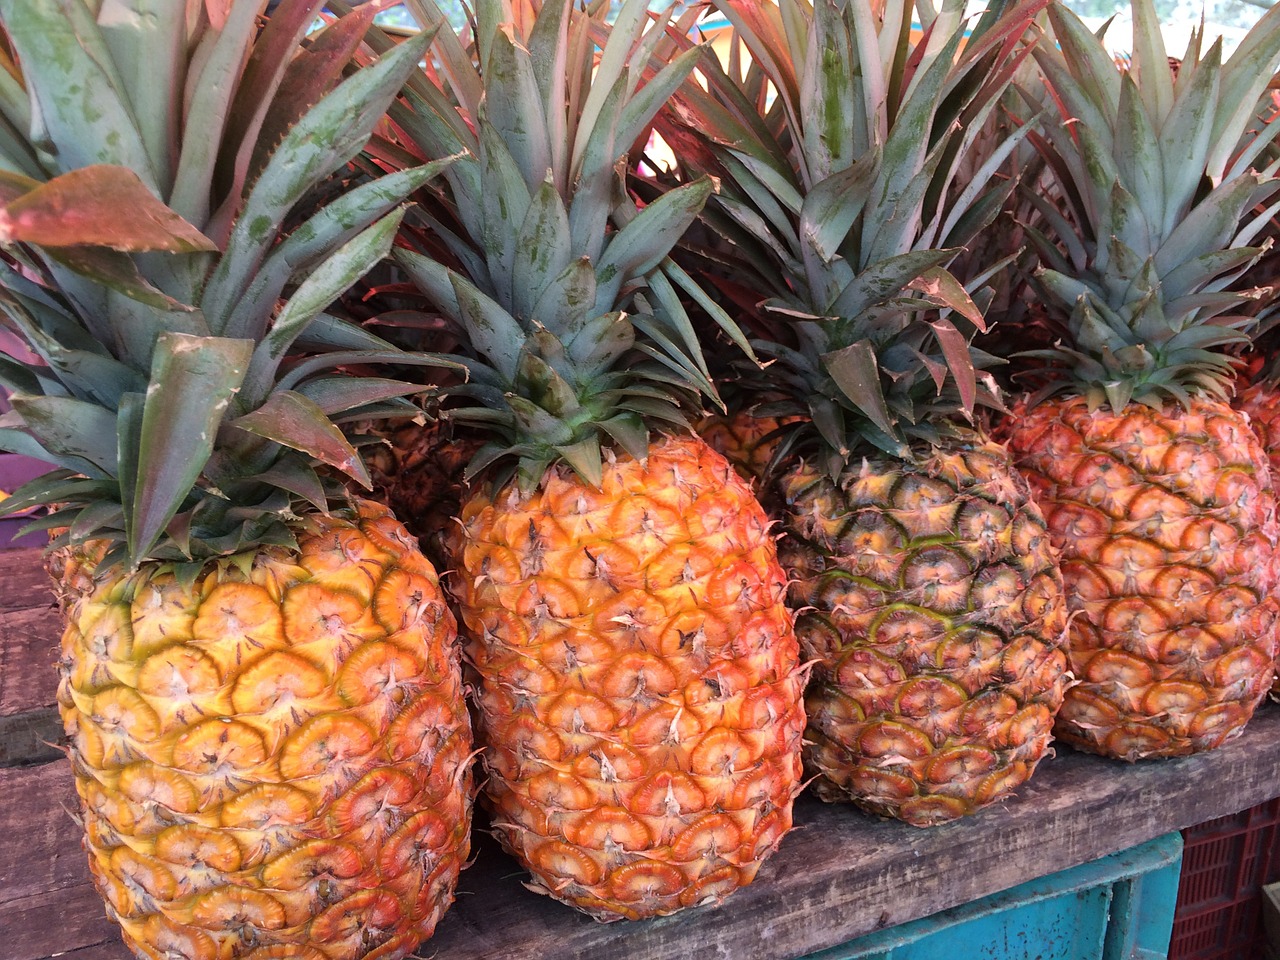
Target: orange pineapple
x=641, y=696
x=1156, y=491
x=1166, y=521
x=639, y=692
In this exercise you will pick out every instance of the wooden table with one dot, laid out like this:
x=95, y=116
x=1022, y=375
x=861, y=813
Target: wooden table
x=839, y=875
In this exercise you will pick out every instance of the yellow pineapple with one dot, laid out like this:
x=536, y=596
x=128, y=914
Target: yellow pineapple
x=260, y=683
x=639, y=685
x=1155, y=490
x=276, y=753
x=928, y=596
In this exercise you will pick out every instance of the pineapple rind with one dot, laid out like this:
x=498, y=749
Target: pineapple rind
x=1166, y=523
x=420, y=475
x=1261, y=403
x=934, y=612
x=275, y=756
x=641, y=683
x=747, y=440
x=639, y=690
x=930, y=697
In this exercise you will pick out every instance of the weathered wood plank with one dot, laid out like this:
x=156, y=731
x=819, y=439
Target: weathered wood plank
x=76, y=920
x=39, y=837
x=29, y=646
x=842, y=874
x=23, y=581
x=47, y=901
x=30, y=631
x=839, y=875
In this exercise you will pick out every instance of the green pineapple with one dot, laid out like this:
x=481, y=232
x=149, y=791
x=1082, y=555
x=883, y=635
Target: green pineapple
x=930, y=601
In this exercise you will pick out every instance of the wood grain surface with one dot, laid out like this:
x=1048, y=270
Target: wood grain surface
x=838, y=875
x=30, y=631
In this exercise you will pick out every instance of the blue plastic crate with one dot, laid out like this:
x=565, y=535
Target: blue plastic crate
x=1117, y=908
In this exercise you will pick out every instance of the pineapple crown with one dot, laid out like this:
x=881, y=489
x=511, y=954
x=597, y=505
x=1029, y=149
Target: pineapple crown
x=164, y=260
x=577, y=334
x=839, y=147
x=1158, y=186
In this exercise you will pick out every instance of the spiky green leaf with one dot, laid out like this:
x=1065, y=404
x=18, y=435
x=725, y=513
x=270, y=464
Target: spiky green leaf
x=856, y=370
x=71, y=428
x=82, y=110
x=192, y=382
x=543, y=250
x=325, y=284
x=492, y=331
x=326, y=137
x=642, y=244
x=334, y=395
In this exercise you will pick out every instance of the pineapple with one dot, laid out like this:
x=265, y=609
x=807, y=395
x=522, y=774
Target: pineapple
x=260, y=684
x=640, y=691
x=273, y=757
x=417, y=465
x=1156, y=491
x=1260, y=402
x=931, y=603
x=420, y=474
x=748, y=438
x=1257, y=387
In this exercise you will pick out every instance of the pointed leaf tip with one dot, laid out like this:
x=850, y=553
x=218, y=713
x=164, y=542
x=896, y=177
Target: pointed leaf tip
x=941, y=286
x=296, y=421
x=83, y=208
x=856, y=370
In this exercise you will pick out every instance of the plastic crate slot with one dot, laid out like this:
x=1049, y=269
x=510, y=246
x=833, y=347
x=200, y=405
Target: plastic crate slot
x=1226, y=862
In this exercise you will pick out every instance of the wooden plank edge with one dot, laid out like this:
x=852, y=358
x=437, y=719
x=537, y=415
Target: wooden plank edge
x=842, y=874
x=109, y=949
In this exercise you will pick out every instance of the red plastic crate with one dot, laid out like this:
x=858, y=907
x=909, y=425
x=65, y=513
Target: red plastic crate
x=1225, y=864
